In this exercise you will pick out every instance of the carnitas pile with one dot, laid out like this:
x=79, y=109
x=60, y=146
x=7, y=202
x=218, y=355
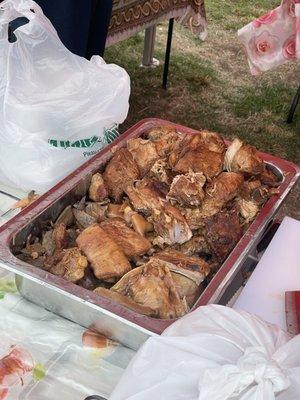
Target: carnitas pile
x=158, y=221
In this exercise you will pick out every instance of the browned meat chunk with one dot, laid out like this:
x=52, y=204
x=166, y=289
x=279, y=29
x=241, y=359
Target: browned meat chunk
x=72, y=265
x=60, y=236
x=187, y=189
x=120, y=172
x=128, y=240
x=145, y=195
x=196, y=245
x=201, y=160
x=170, y=224
x=151, y=285
x=268, y=178
x=97, y=190
x=195, y=267
x=243, y=158
x=203, y=152
x=83, y=219
x=161, y=171
x=144, y=154
x=186, y=287
x=96, y=210
x=106, y=257
x=125, y=301
x=164, y=138
x=223, y=188
x=223, y=232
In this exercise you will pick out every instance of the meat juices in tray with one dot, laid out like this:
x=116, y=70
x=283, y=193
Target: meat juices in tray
x=157, y=221
x=153, y=226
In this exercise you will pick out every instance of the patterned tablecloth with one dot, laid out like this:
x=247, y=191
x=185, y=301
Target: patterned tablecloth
x=131, y=16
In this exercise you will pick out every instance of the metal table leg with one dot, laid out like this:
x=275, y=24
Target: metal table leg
x=168, y=52
x=294, y=105
x=149, y=42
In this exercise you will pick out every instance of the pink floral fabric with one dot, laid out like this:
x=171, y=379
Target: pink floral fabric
x=273, y=38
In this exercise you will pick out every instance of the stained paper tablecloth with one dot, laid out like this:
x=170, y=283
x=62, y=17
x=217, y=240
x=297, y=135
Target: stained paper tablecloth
x=45, y=357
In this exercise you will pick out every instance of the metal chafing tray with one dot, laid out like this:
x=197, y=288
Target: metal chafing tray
x=90, y=310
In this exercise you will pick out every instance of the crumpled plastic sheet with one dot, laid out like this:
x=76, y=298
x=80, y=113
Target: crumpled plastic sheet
x=45, y=357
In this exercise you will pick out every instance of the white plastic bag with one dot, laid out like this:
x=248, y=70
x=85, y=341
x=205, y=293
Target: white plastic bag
x=215, y=353
x=56, y=108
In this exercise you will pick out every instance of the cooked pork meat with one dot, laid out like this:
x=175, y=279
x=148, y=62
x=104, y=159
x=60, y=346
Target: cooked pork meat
x=186, y=287
x=172, y=205
x=222, y=189
x=96, y=210
x=161, y=171
x=268, y=178
x=97, y=190
x=125, y=301
x=120, y=172
x=140, y=224
x=144, y=154
x=203, y=152
x=145, y=195
x=243, y=158
x=164, y=138
x=194, y=267
x=196, y=245
x=187, y=190
x=83, y=219
x=72, y=265
x=170, y=224
x=208, y=162
x=151, y=285
x=128, y=240
x=106, y=257
x=60, y=236
x=248, y=209
x=223, y=232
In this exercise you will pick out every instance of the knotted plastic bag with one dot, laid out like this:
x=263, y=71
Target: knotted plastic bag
x=215, y=353
x=56, y=109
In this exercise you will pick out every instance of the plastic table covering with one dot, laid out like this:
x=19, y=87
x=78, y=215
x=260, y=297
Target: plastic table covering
x=45, y=357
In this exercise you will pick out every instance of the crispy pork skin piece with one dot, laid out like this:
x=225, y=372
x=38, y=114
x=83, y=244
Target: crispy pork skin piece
x=125, y=301
x=194, y=266
x=187, y=190
x=145, y=195
x=151, y=285
x=127, y=239
x=72, y=265
x=243, y=158
x=97, y=190
x=144, y=153
x=170, y=224
x=223, y=232
x=120, y=172
x=106, y=257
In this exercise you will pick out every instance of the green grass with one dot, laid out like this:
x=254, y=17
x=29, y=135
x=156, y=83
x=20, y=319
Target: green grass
x=210, y=85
